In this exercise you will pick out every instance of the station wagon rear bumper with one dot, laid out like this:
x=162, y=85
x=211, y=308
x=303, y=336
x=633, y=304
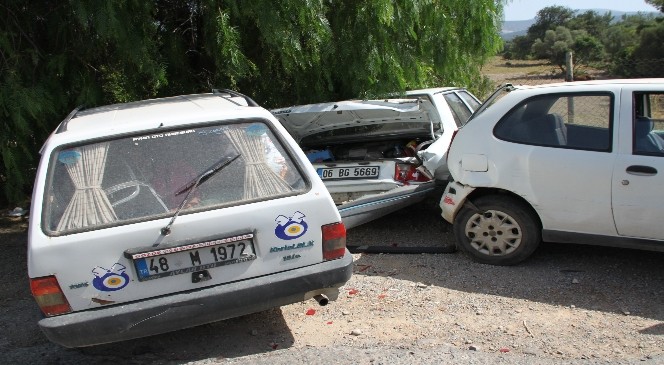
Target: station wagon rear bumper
x=193, y=308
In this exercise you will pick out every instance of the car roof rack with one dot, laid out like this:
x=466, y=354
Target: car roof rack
x=63, y=125
x=221, y=92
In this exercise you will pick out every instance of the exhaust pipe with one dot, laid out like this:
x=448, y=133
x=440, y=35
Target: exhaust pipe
x=321, y=299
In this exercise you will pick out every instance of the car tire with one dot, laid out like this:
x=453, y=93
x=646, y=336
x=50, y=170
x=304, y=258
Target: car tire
x=497, y=230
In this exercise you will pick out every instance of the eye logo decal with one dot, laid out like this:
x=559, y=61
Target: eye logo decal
x=69, y=157
x=111, y=279
x=290, y=228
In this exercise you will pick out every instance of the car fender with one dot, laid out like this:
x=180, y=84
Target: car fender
x=453, y=199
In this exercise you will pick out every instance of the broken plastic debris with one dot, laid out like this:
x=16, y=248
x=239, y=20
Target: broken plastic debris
x=381, y=296
x=311, y=312
x=330, y=322
x=503, y=350
x=353, y=291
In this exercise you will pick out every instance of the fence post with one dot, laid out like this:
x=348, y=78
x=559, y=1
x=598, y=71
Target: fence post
x=569, y=66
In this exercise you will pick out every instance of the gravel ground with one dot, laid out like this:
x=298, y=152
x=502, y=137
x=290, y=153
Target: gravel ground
x=568, y=304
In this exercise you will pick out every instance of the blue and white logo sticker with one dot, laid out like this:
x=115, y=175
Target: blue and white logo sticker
x=290, y=228
x=256, y=130
x=111, y=279
x=69, y=157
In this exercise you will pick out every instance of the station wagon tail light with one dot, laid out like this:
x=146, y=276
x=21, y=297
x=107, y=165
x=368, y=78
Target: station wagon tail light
x=334, y=241
x=407, y=173
x=49, y=296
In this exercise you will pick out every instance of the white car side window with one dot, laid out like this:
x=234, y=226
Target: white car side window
x=578, y=121
x=648, y=124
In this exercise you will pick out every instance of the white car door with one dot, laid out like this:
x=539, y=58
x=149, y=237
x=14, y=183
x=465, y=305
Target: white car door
x=638, y=201
x=560, y=159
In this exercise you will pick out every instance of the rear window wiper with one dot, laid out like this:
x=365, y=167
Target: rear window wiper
x=191, y=185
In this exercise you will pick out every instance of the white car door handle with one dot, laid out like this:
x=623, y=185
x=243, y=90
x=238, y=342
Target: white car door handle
x=641, y=170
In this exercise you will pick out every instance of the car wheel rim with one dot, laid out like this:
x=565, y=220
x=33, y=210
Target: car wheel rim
x=493, y=233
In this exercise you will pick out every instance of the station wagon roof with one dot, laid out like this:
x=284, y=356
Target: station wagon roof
x=149, y=111
x=433, y=90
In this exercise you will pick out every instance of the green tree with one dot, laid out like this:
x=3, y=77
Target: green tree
x=57, y=55
x=648, y=56
x=549, y=18
x=518, y=48
x=553, y=46
x=659, y=4
x=556, y=44
x=590, y=21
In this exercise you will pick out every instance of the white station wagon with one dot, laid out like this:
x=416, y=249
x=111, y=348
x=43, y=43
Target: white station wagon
x=579, y=162
x=163, y=214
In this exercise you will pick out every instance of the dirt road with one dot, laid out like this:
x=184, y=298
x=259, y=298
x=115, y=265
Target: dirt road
x=567, y=304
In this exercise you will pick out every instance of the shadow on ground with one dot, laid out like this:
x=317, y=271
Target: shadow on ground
x=252, y=334
x=590, y=277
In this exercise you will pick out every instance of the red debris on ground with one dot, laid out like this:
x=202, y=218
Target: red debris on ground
x=353, y=291
x=504, y=350
x=364, y=268
x=311, y=312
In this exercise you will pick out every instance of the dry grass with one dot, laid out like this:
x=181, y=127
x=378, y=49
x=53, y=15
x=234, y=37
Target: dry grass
x=527, y=72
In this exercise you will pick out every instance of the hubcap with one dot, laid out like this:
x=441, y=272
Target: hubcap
x=493, y=233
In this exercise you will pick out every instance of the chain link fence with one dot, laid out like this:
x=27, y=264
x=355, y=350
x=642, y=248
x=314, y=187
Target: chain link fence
x=628, y=68
x=541, y=72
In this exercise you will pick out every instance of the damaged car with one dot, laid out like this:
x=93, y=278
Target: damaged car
x=378, y=156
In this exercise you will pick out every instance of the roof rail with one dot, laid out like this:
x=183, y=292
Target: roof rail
x=232, y=93
x=63, y=125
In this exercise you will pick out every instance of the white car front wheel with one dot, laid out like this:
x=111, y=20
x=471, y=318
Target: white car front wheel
x=497, y=230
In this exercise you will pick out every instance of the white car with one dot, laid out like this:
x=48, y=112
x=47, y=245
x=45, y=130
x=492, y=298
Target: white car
x=578, y=162
x=378, y=156
x=162, y=214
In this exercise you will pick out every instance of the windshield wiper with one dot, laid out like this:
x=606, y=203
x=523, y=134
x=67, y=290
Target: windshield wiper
x=190, y=186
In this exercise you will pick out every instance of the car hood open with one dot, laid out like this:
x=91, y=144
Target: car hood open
x=304, y=120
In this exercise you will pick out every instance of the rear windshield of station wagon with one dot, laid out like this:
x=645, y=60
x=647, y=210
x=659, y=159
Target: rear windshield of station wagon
x=149, y=175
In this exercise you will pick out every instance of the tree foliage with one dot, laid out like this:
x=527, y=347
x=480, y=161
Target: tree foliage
x=659, y=4
x=57, y=55
x=556, y=44
x=627, y=47
x=549, y=18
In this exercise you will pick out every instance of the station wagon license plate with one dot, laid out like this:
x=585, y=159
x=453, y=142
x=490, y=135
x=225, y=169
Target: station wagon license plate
x=359, y=172
x=193, y=257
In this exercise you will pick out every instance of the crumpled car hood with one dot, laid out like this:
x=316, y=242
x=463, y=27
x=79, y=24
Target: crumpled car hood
x=304, y=120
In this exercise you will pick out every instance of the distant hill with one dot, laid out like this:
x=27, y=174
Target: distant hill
x=513, y=28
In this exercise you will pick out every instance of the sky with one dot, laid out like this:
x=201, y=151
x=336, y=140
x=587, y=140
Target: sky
x=527, y=9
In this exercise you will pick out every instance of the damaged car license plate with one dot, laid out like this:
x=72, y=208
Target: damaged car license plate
x=359, y=172
x=193, y=257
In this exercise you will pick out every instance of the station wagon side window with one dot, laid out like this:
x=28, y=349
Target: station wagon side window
x=648, y=124
x=459, y=109
x=577, y=121
x=469, y=99
x=149, y=175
